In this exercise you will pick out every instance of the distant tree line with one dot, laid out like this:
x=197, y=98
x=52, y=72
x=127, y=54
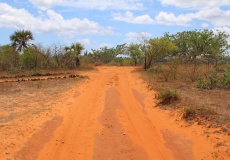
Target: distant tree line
x=21, y=55
x=187, y=47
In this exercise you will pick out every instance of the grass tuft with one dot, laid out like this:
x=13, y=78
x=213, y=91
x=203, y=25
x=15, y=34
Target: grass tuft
x=188, y=112
x=167, y=96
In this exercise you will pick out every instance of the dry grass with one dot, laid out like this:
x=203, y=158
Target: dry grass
x=19, y=98
x=26, y=105
x=209, y=105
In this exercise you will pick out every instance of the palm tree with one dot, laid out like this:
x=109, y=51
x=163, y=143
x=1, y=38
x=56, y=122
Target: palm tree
x=76, y=48
x=19, y=39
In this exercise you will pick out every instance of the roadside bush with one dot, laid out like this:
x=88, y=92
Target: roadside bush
x=188, y=112
x=98, y=63
x=215, y=80
x=114, y=63
x=127, y=62
x=225, y=82
x=167, y=96
x=13, y=70
x=157, y=69
x=203, y=83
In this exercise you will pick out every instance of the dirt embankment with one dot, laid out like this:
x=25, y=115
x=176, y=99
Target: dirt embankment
x=108, y=116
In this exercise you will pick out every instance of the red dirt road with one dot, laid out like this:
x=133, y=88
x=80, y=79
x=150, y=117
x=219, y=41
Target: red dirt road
x=111, y=117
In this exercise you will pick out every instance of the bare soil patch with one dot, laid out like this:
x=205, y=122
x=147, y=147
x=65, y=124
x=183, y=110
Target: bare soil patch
x=26, y=104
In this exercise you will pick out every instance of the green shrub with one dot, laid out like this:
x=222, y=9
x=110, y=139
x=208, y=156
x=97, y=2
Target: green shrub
x=150, y=70
x=219, y=79
x=167, y=96
x=13, y=70
x=98, y=63
x=225, y=82
x=114, y=63
x=188, y=112
x=157, y=69
x=203, y=83
x=127, y=62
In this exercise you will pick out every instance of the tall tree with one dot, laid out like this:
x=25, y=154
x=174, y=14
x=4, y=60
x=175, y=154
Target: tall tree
x=20, y=39
x=104, y=55
x=143, y=39
x=75, y=49
x=135, y=52
x=31, y=58
x=158, y=49
x=200, y=43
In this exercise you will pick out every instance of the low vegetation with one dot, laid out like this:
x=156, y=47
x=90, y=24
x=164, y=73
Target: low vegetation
x=188, y=112
x=216, y=79
x=167, y=96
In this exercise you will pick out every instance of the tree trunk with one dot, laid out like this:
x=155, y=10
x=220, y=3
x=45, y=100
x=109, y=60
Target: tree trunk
x=149, y=64
x=77, y=61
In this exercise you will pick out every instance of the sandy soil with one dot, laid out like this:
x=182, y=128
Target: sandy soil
x=108, y=116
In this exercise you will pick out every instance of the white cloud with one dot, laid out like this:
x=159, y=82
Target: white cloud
x=205, y=25
x=45, y=4
x=134, y=36
x=85, y=41
x=216, y=16
x=92, y=4
x=222, y=29
x=225, y=29
x=171, y=19
x=50, y=22
x=196, y=3
x=130, y=18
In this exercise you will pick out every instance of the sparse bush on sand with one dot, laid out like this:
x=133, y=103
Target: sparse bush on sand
x=167, y=96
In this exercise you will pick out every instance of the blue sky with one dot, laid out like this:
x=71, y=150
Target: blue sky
x=97, y=23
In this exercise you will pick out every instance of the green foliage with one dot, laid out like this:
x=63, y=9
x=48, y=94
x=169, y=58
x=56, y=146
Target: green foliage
x=32, y=58
x=127, y=62
x=107, y=55
x=9, y=58
x=158, y=49
x=225, y=82
x=157, y=69
x=196, y=44
x=135, y=53
x=72, y=54
x=13, y=70
x=104, y=55
x=217, y=79
x=188, y=112
x=114, y=63
x=85, y=60
x=167, y=96
x=188, y=47
x=203, y=83
x=20, y=39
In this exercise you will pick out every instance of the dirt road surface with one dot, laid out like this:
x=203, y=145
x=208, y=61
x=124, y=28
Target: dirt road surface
x=111, y=116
